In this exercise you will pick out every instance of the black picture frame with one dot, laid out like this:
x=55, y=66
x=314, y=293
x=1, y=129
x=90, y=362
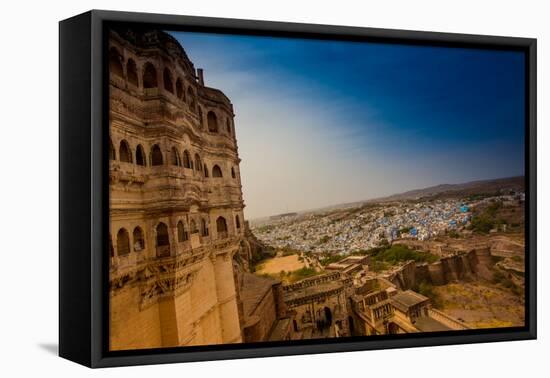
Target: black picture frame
x=83, y=196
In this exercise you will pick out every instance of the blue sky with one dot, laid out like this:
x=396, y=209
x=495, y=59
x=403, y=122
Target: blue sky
x=326, y=122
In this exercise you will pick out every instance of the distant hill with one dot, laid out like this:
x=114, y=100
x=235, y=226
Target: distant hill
x=439, y=191
x=465, y=189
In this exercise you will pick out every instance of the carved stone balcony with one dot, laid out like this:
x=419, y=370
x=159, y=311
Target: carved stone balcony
x=163, y=250
x=151, y=91
x=223, y=235
x=196, y=241
x=127, y=172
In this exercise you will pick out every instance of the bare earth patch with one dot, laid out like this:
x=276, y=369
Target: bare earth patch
x=278, y=264
x=481, y=305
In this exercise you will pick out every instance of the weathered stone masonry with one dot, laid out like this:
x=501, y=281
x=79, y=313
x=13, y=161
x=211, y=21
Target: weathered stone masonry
x=176, y=205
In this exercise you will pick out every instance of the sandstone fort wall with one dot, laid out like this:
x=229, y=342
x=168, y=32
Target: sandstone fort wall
x=461, y=266
x=176, y=206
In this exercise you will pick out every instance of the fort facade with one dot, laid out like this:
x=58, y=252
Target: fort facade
x=176, y=205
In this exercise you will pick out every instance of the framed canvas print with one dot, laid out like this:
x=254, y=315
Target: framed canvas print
x=234, y=188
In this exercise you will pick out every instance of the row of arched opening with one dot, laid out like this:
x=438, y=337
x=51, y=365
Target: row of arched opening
x=184, y=232
x=162, y=242
x=149, y=77
x=150, y=81
x=213, y=124
x=123, y=241
x=184, y=160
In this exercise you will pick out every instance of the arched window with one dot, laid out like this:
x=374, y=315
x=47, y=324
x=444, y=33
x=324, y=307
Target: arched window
x=131, y=72
x=233, y=172
x=212, y=122
x=186, y=159
x=198, y=165
x=139, y=242
x=221, y=227
x=162, y=235
x=156, y=155
x=191, y=98
x=179, y=89
x=204, y=227
x=175, y=157
x=228, y=126
x=112, y=154
x=168, y=81
x=205, y=170
x=149, y=76
x=115, y=63
x=193, y=226
x=140, y=155
x=163, y=241
x=182, y=233
x=124, y=152
x=122, y=242
x=237, y=221
x=217, y=171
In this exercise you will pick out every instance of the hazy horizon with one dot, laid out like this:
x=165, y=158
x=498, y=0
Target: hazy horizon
x=376, y=198
x=321, y=123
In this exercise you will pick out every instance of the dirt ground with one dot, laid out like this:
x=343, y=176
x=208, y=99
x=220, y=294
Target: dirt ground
x=278, y=264
x=481, y=305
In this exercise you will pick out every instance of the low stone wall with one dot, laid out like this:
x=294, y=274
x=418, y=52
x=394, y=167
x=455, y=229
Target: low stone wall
x=313, y=281
x=259, y=324
x=446, y=320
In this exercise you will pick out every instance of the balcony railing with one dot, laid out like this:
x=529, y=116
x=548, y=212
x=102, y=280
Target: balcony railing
x=151, y=91
x=163, y=250
x=184, y=246
x=127, y=171
x=126, y=261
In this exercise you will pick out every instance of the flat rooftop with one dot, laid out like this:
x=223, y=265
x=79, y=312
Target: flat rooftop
x=406, y=299
x=312, y=290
